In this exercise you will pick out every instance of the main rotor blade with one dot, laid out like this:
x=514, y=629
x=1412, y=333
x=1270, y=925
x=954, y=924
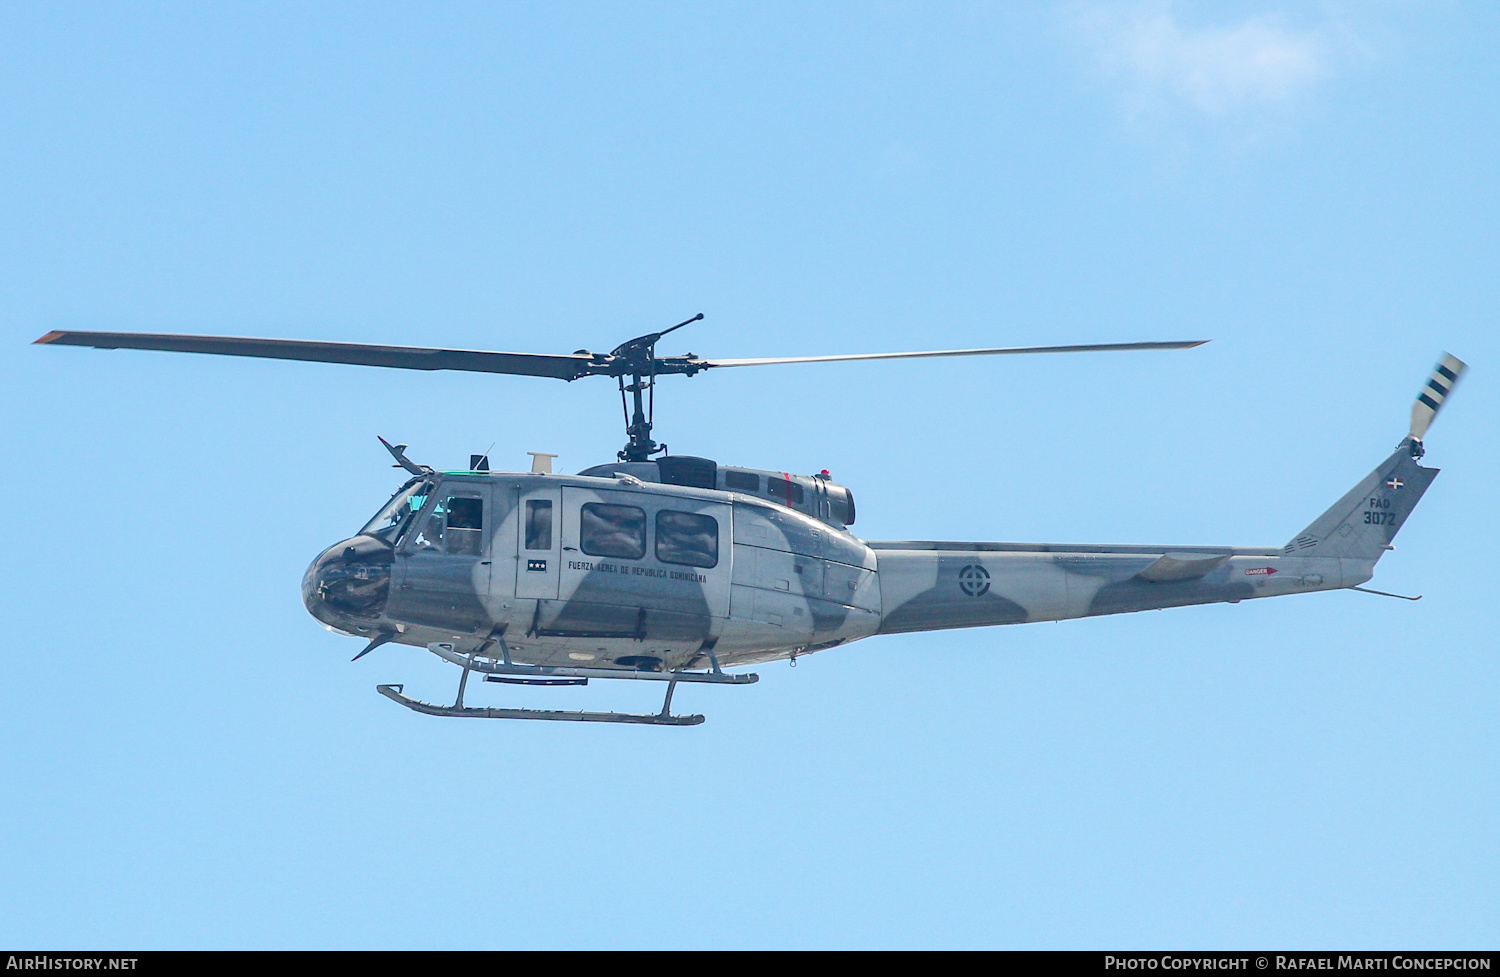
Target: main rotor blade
x=563, y=367
x=1004, y=351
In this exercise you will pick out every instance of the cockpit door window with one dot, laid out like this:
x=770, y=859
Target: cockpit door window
x=454, y=525
x=464, y=535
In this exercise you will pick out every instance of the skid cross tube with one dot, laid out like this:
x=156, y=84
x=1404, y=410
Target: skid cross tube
x=445, y=651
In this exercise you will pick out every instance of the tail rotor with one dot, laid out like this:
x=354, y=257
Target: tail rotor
x=1430, y=400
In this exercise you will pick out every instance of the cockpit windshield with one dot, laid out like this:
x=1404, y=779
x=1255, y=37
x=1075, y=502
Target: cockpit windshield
x=391, y=521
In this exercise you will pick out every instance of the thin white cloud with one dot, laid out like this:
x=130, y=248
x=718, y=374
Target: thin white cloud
x=1213, y=70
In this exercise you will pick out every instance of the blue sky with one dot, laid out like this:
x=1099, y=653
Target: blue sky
x=189, y=760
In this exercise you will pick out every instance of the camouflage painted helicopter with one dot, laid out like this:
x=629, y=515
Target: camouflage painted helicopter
x=669, y=568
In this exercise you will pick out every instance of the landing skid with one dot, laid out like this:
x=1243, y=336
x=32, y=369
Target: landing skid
x=393, y=692
x=507, y=671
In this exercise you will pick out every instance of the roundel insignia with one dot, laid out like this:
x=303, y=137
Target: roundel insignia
x=974, y=580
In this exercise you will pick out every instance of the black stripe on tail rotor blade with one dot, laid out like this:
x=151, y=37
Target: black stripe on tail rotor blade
x=1428, y=401
x=1442, y=390
x=1448, y=374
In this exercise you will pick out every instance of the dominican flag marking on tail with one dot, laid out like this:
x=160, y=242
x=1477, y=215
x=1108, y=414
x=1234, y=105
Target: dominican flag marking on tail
x=1394, y=483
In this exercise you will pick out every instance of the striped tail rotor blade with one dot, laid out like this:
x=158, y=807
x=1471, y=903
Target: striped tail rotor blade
x=1444, y=377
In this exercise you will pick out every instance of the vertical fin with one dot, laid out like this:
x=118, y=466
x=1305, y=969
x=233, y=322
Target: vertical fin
x=1362, y=524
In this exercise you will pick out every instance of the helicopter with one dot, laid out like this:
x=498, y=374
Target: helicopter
x=673, y=568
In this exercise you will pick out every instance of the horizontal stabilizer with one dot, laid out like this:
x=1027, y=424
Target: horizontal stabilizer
x=1183, y=566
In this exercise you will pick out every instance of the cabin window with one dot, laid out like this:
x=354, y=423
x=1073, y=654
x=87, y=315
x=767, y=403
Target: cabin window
x=687, y=539
x=742, y=481
x=612, y=530
x=538, y=524
x=781, y=490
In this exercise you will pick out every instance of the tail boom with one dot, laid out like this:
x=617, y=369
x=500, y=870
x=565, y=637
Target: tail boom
x=929, y=586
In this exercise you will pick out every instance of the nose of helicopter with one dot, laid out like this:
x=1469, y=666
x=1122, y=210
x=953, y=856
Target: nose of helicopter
x=349, y=582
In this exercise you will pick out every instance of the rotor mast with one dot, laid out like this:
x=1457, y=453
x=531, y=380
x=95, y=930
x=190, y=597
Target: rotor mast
x=637, y=359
